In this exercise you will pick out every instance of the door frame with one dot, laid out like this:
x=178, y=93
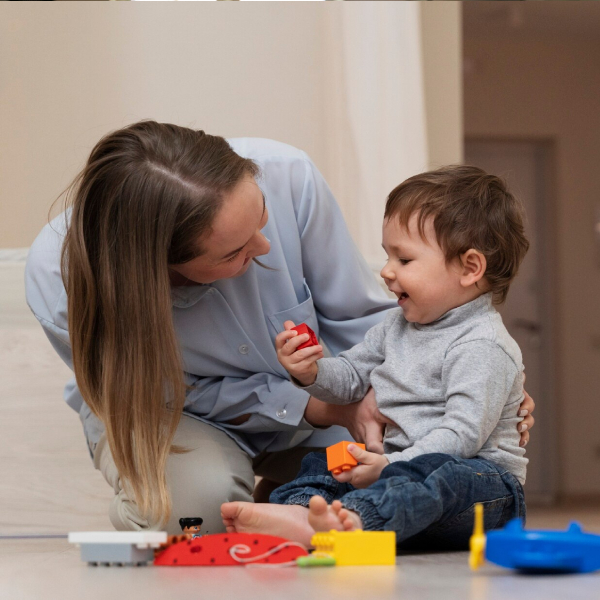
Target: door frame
x=547, y=236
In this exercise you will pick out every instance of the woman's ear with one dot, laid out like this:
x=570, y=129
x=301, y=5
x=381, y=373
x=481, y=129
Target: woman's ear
x=474, y=265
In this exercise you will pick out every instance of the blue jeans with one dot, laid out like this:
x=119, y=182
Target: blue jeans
x=427, y=501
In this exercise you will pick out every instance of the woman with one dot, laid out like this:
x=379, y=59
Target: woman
x=158, y=255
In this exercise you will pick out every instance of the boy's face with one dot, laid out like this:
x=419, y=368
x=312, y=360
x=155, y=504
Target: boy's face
x=417, y=272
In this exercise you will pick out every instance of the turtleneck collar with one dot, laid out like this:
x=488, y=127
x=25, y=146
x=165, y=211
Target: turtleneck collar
x=480, y=306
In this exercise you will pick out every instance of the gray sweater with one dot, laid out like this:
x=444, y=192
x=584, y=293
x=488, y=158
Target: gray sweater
x=452, y=386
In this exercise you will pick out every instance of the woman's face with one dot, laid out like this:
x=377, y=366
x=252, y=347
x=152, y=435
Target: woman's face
x=235, y=239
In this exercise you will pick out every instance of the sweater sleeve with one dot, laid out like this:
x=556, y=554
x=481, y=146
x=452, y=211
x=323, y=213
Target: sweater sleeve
x=347, y=378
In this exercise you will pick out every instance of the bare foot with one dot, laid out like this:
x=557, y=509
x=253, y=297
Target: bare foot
x=323, y=517
x=350, y=520
x=289, y=522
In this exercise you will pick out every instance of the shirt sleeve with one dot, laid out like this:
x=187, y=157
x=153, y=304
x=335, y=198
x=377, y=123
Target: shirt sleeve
x=59, y=339
x=347, y=297
x=221, y=399
x=478, y=377
x=44, y=290
x=347, y=378
x=227, y=397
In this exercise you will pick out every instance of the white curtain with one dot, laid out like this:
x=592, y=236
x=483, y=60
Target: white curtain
x=376, y=127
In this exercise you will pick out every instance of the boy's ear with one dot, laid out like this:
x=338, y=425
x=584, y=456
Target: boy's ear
x=474, y=265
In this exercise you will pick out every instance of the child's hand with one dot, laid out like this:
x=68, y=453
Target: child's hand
x=301, y=364
x=367, y=472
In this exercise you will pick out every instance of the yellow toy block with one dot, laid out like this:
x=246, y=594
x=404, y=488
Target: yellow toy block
x=339, y=459
x=357, y=547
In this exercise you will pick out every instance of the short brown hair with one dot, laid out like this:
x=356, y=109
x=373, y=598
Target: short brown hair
x=470, y=209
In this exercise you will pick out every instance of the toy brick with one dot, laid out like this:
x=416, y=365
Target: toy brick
x=117, y=547
x=352, y=548
x=339, y=459
x=304, y=328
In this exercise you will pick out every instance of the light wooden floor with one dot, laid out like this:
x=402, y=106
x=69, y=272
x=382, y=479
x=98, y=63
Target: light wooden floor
x=48, y=485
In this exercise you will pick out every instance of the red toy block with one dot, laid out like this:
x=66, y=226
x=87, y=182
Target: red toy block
x=304, y=328
x=217, y=549
x=339, y=459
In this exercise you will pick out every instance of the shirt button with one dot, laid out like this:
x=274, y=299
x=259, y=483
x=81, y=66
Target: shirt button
x=210, y=292
x=244, y=349
x=281, y=413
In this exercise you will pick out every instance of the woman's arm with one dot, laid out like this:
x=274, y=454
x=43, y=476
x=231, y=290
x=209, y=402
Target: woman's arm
x=362, y=419
x=366, y=424
x=260, y=403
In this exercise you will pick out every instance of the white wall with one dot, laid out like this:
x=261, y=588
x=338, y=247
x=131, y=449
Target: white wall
x=72, y=72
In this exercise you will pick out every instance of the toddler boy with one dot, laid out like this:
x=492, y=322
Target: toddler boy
x=443, y=368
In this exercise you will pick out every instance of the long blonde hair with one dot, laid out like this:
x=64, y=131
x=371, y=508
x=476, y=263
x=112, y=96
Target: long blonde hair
x=146, y=196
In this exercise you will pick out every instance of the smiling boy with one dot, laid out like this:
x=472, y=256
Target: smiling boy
x=445, y=372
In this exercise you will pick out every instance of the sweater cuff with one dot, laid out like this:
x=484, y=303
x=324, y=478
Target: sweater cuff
x=324, y=386
x=404, y=455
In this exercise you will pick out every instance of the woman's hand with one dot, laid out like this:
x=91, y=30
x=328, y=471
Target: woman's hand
x=300, y=364
x=362, y=419
x=365, y=423
x=524, y=427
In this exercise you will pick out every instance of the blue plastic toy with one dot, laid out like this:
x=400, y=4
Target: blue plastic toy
x=535, y=551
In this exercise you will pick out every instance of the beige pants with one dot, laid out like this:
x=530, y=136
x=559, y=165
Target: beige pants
x=215, y=470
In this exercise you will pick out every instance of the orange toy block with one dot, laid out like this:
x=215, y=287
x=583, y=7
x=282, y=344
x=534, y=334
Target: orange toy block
x=339, y=459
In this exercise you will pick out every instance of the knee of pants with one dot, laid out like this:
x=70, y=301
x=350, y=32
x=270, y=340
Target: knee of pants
x=199, y=485
x=199, y=495
x=213, y=470
x=418, y=468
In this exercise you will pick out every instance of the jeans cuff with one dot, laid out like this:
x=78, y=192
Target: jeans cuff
x=368, y=513
x=299, y=499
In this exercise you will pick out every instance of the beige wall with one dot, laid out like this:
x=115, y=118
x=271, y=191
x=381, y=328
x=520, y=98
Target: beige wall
x=72, y=72
x=549, y=87
x=442, y=65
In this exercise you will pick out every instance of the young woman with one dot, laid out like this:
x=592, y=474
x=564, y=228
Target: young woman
x=150, y=288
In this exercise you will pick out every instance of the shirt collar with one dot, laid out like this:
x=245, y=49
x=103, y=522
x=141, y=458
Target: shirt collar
x=186, y=296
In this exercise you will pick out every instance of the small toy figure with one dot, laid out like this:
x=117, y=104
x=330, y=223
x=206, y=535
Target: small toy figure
x=339, y=459
x=191, y=526
x=304, y=328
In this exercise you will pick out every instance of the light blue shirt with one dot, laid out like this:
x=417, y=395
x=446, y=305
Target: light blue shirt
x=227, y=329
